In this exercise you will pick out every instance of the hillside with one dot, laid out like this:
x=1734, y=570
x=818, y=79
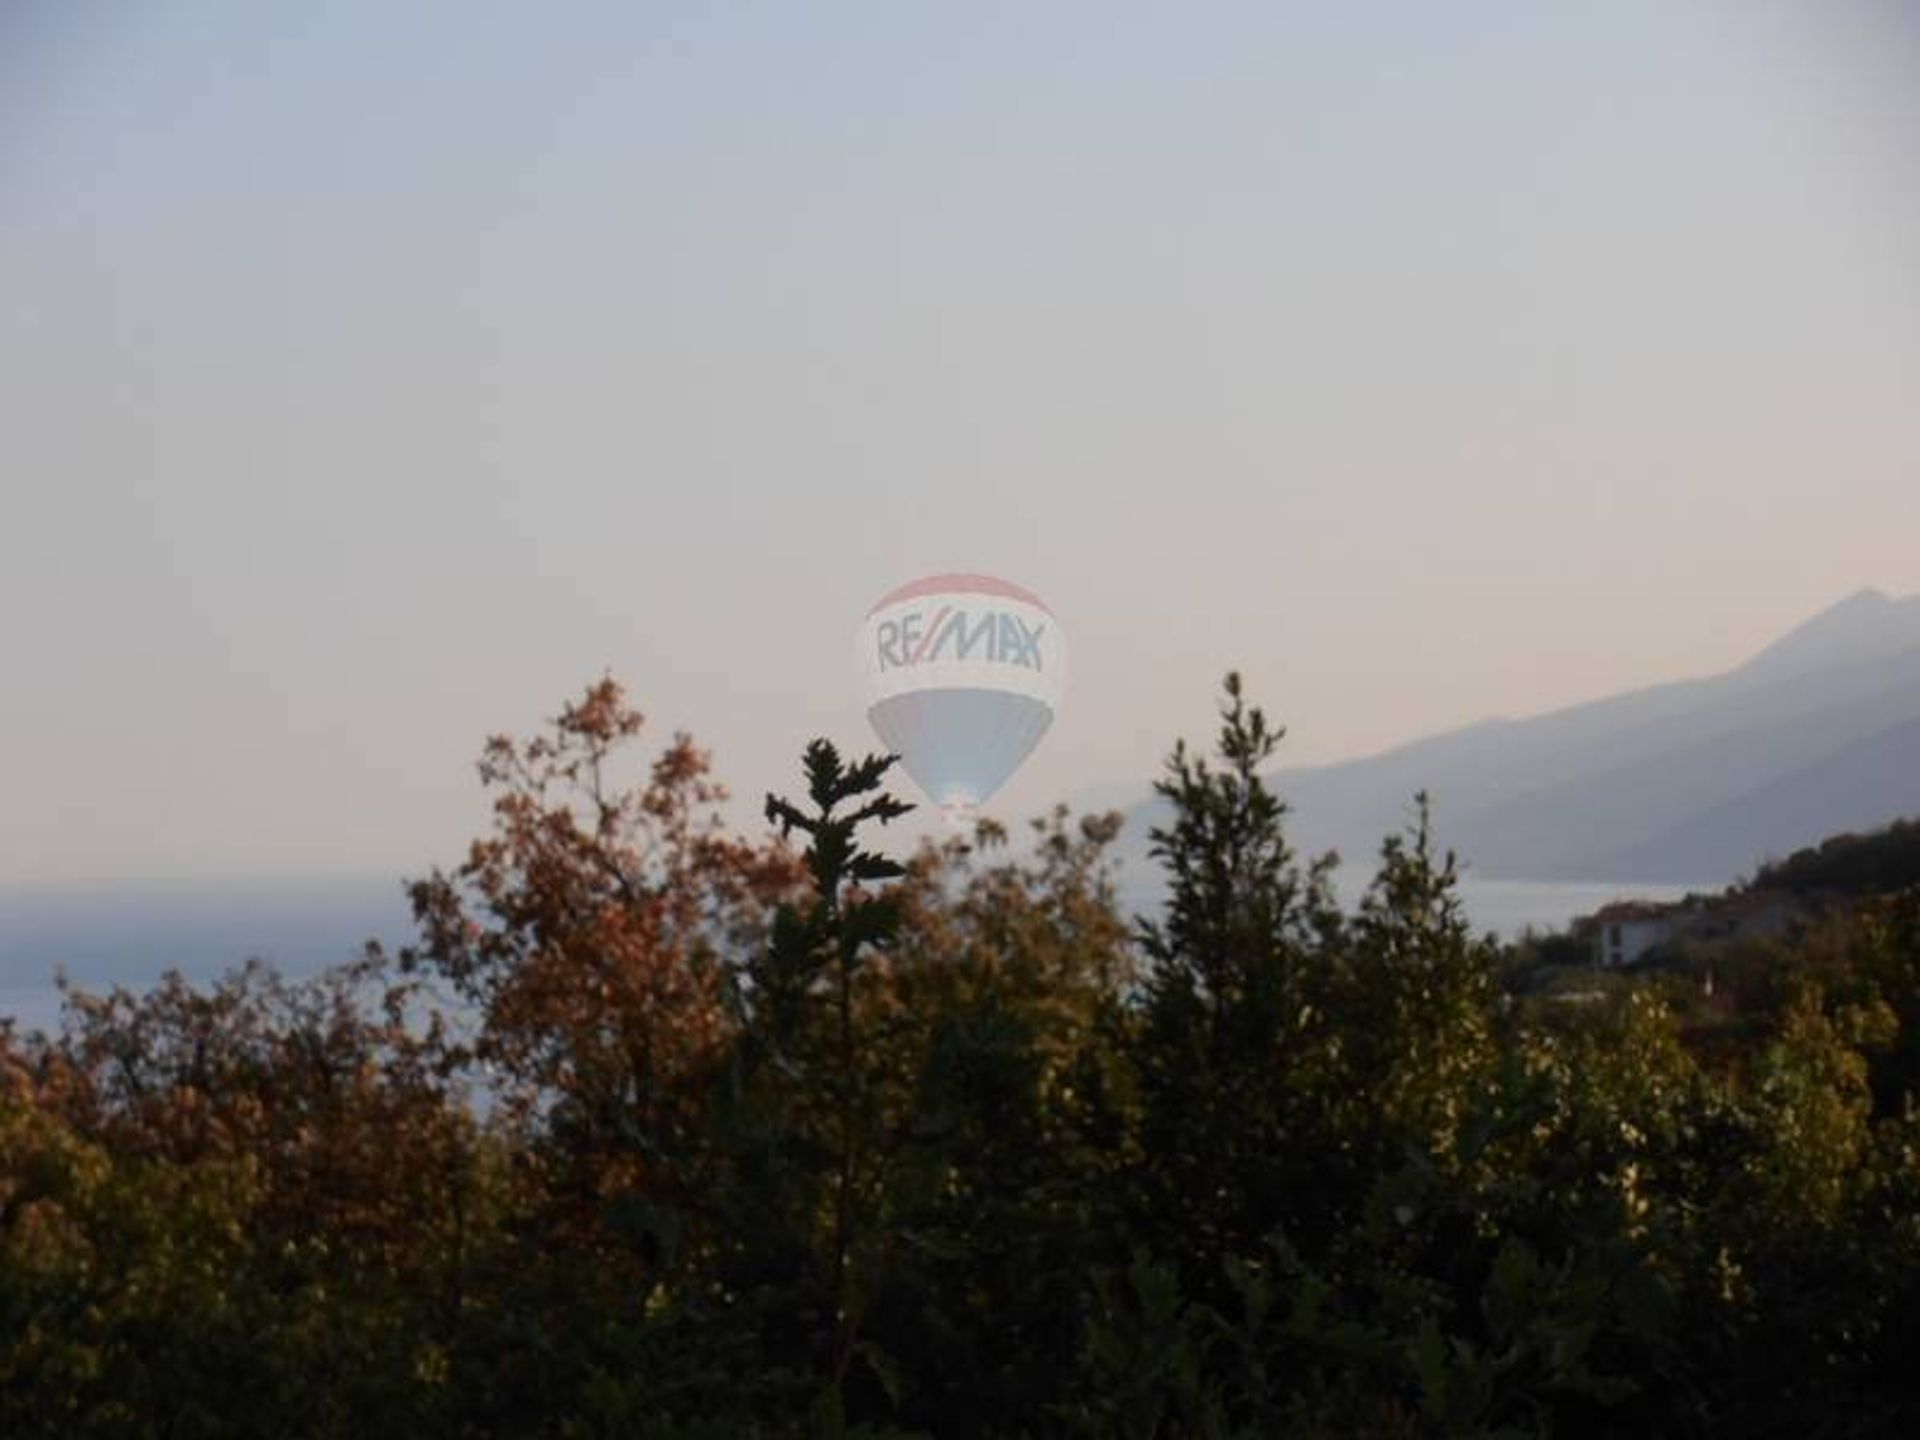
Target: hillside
x=1871, y=864
x=1695, y=782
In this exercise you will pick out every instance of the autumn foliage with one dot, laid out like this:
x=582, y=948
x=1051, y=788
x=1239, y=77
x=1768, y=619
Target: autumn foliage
x=658, y=1129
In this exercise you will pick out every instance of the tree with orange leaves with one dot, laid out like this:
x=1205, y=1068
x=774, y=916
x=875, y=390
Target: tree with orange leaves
x=590, y=935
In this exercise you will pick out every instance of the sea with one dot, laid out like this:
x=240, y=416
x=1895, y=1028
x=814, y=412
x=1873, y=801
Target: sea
x=100, y=936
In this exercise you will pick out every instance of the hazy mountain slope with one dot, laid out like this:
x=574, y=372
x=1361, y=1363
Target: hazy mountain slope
x=1863, y=627
x=1723, y=751
x=1696, y=781
x=1861, y=788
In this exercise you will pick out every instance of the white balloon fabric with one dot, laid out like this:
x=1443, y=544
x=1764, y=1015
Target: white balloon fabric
x=963, y=675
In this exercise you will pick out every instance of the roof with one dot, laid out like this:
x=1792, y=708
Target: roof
x=1624, y=910
x=1697, y=913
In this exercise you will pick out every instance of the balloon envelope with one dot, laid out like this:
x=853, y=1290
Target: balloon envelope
x=963, y=675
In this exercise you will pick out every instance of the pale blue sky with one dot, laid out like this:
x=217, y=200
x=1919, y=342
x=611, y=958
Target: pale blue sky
x=377, y=374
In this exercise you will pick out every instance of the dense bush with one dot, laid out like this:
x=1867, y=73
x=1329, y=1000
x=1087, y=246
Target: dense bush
x=660, y=1131
x=1878, y=862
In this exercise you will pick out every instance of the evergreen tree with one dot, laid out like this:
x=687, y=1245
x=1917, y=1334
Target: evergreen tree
x=1228, y=1039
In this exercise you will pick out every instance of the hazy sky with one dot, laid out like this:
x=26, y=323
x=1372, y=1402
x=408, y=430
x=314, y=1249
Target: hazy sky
x=375, y=375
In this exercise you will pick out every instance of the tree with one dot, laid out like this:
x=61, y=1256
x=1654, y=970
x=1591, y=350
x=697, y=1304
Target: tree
x=1416, y=995
x=1229, y=1025
x=592, y=934
x=1000, y=1005
x=803, y=1054
x=202, y=1225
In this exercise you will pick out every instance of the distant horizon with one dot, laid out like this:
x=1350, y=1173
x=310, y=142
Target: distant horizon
x=1085, y=799
x=145, y=934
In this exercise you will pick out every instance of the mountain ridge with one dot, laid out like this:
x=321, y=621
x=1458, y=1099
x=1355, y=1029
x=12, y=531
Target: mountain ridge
x=1696, y=780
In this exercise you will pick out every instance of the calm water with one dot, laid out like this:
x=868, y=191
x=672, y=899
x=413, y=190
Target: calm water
x=130, y=935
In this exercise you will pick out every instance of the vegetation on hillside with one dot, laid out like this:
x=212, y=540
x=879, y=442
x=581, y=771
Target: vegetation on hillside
x=1876, y=863
x=658, y=1130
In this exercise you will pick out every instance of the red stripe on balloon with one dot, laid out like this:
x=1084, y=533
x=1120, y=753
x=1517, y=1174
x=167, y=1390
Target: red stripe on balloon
x=961, y=584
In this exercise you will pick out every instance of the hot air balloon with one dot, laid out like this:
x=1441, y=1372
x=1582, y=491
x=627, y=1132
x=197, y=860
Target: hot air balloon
x=963, y=675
